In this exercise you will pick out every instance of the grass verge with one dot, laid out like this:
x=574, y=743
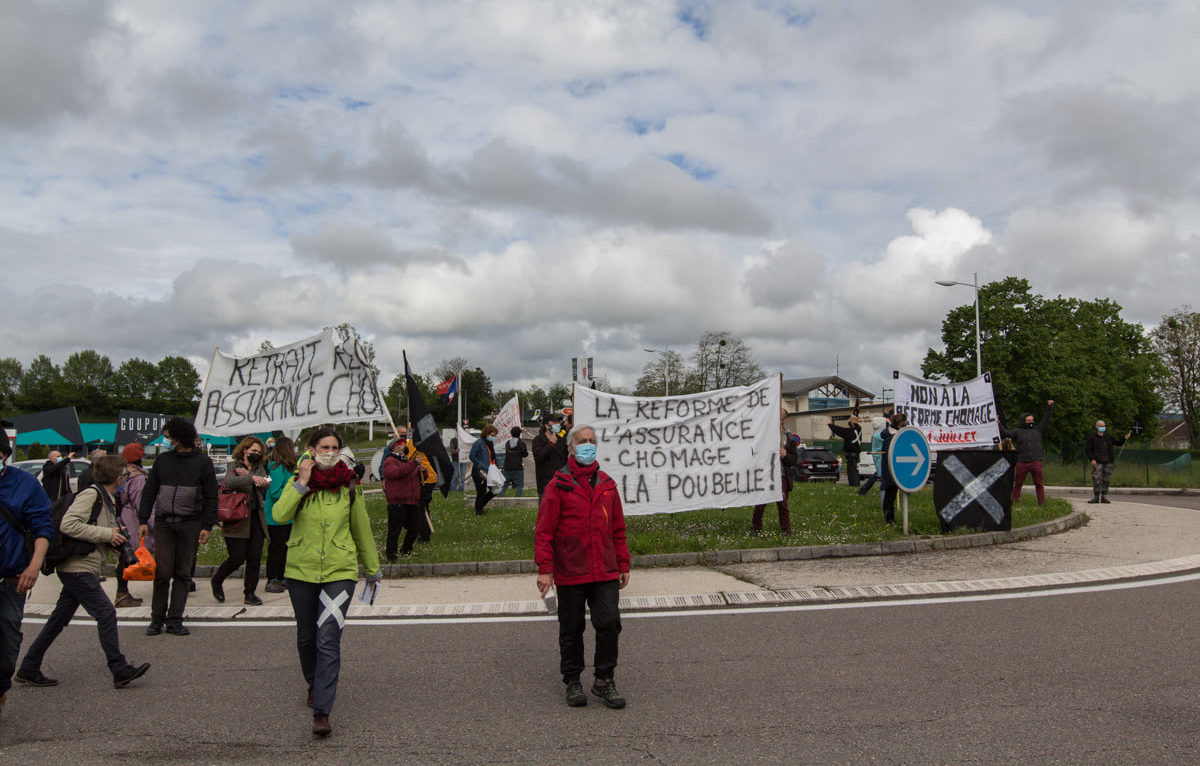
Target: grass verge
x=821, y=514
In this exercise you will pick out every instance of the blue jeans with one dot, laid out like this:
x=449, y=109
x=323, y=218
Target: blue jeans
x=460, y=472
x=515, y=479
x=79, y=589
x=319, y=634
x=12, y=607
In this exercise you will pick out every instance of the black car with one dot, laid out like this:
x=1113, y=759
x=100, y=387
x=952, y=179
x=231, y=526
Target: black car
x=816, y=464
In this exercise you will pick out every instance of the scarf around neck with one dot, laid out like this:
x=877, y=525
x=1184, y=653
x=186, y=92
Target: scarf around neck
x=341, y=475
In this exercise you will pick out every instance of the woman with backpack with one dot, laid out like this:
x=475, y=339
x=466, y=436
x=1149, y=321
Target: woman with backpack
x=331, y=536
x=90, y=521
x=281, y=464
x=244, y=540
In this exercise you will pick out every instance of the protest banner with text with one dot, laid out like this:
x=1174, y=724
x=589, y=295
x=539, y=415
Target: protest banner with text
x=951, y=415
x=313, y=381
x=508, y=417
x=718, y=449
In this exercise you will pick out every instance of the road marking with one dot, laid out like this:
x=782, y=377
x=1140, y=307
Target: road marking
x=929, y=601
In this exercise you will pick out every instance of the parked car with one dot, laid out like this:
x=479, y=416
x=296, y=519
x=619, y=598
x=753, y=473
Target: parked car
x=35, y=467
x=817, y=464
x=866, y=465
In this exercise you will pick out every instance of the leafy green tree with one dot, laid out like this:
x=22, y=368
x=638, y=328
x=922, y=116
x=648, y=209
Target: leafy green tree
x=11, y=373
x=135, y=383
x=177, y=387
x=41, y=386
x=87, y=379
x=1081, y=354
x=1176, y=340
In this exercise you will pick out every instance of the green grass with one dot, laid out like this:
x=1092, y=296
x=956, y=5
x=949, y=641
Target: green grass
x=821, y=514
x=1126, y=474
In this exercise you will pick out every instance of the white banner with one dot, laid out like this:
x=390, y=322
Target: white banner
x=951, y=415
x=718, y=449
x=307, y=383
x=465, y=440
x=508, y=417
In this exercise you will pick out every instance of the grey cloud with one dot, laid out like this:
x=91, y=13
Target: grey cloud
x=790, y=273
x=1112, y=138
x=348, y=247
x=45, y=64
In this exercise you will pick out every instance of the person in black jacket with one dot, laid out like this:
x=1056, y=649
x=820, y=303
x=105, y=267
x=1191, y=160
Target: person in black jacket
x=1100, y=452
x=181, y=490
x=515, y=453
x=54, y=474
x=851, y=436
x=549, y=451
x=1028, y=439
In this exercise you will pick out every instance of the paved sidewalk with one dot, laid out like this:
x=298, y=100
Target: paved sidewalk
x=1124, y=540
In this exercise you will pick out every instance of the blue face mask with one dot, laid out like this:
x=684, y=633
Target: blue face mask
x=1102, y=429
x=491, y=438
x=585, y=454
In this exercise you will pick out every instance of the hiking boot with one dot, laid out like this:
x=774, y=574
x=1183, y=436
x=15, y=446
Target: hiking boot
x=575, y=695
x=178, y=630
x=124, y=600
x=275, y=586
x=321, y=727
x=1104, y=499
x=129, y=673
x=35, y=678
x=605, y=689
x=154, y=629
x=252, y=599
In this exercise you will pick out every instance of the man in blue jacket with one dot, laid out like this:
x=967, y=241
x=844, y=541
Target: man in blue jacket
x=26, y=505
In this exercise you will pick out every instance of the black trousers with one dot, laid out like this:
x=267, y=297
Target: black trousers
x=603, y=599
x=246, y=551
x=852, y=468
x=277, y=537
x=175, y=545
x=483, y=495
x=410, y=518
x=79, y=589
x=889, y=502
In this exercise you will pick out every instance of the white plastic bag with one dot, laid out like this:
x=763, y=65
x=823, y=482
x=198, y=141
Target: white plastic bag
x=495, y=479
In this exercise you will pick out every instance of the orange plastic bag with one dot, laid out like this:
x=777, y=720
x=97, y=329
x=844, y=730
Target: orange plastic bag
x=144, y=568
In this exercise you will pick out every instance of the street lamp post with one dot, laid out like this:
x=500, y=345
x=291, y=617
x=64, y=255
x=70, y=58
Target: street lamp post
x=978, y=343
x=666, y=367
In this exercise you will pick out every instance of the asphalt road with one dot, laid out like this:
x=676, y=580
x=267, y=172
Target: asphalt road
x=1097, y=677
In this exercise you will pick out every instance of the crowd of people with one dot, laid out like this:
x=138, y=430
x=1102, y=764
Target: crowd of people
x=309, y=514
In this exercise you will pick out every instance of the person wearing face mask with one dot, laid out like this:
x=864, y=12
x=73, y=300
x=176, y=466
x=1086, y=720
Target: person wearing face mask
x=25, y=532
x=244, y=541
x=181, y=491
x=402, y=490
x=549, y=452
x=1028, y=439
x=579, y=547
x=1103, y=457
x=331, y=536
x=91, y=519
x=483, y=456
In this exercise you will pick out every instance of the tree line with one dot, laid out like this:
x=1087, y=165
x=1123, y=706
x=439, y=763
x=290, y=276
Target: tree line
x=88, y=381
x=1082, y=354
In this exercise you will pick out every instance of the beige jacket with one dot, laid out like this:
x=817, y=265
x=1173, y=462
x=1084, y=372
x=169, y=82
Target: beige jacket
x=75, y=524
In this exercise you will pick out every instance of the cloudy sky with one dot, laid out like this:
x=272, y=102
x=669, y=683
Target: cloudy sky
x=521, y=182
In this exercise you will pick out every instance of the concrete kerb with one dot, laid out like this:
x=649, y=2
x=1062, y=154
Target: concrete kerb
x=744, y=556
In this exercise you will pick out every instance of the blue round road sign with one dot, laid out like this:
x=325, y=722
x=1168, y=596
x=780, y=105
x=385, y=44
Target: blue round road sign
x=908, y=459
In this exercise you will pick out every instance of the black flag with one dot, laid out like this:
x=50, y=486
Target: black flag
x=425, y=432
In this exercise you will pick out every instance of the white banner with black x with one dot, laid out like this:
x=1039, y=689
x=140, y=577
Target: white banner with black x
x=333, y=608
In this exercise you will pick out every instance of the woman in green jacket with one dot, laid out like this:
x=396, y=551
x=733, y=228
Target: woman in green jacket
x=331, y=535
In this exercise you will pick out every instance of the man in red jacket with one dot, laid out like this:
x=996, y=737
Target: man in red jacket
x=579, y=546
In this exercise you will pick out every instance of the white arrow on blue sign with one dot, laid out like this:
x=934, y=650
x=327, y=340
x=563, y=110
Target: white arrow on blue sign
x=908, y=459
